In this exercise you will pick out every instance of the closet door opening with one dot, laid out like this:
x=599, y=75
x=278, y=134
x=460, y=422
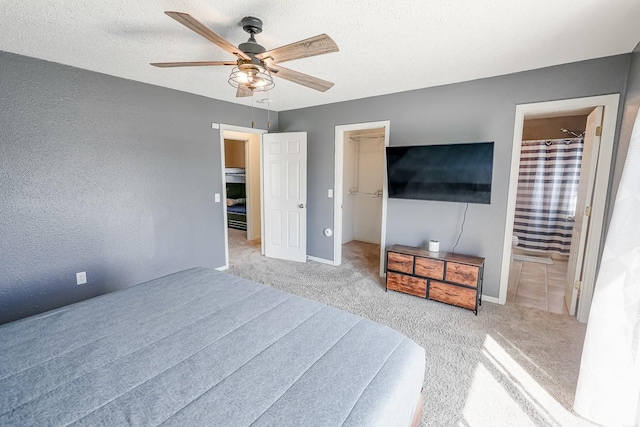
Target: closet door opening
x=361, y=195
x=362, y=186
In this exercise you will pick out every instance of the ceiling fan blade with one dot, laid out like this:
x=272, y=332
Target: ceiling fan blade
x=300, y=78
x=318, y=45
x=191, y=23
x=192, y=64
x=243, y=92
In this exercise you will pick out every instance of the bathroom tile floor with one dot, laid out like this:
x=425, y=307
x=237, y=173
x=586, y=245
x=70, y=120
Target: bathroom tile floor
x=537, y=285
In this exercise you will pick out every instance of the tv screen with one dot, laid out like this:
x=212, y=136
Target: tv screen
x=450, y=173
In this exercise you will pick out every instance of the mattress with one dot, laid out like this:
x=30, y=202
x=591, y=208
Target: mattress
x=202, y=347
x=238, y=209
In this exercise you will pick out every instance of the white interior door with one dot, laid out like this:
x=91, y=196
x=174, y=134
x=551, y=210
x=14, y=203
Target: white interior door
x=285, y=195
x=583, y=207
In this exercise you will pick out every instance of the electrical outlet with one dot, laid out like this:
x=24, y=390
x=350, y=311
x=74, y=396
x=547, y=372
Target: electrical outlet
x=81, y=278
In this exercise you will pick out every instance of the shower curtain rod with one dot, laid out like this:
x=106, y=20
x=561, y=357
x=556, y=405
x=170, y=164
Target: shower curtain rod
x=566, y=141
x=572, y=133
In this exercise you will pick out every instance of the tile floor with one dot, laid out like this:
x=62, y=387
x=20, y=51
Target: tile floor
x=537, y=285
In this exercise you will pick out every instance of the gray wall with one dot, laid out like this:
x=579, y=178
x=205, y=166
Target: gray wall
x=116, y=178
x=480, y=110
x=631, y=106
x=103, y=175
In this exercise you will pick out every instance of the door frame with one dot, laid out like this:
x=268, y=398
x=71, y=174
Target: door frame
x=600, y=190
x=240, y=129
x=338, y=182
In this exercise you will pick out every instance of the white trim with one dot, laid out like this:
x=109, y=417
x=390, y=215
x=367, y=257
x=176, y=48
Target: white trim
x=610, y=104
x=486, y=298
x=320, y=260
x=224, y=128
x=247, y=186
x=223, y=202
x=261, y=197
x=223, y=268
x=337, y=189
x=338, y=171
x=242, y=129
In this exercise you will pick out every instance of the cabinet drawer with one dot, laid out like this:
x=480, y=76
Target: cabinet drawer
x=455, y=295
x=400, y=262
x=431, y=268
x=462, y=273
x=407, y=284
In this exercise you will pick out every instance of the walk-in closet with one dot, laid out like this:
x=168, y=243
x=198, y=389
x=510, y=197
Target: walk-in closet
x=362, y=185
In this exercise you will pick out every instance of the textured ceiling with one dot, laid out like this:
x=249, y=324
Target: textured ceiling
x=385, y=46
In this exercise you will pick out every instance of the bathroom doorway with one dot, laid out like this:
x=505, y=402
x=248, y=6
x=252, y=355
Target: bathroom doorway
x=550, y=161
x=590, y=200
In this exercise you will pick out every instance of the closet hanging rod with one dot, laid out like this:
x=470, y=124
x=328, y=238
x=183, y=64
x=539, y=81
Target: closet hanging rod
x=358, y=138
x=354, y=192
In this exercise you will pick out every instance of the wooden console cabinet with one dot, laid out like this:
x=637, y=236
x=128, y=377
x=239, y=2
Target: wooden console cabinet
x=450, y=278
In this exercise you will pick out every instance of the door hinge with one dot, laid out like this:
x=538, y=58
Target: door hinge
x=599, y=131
x=587, y=211
x=577, y=285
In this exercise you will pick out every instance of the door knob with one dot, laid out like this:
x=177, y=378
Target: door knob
x=301, y=205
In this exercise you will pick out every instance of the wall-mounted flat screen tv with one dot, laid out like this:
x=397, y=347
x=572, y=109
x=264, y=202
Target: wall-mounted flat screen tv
x=450, y=173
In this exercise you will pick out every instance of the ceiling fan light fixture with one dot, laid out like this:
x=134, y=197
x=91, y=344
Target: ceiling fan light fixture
x=251, y=77
x=254, y=64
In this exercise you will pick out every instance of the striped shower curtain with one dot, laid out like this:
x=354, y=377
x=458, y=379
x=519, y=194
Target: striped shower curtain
x=547, y=190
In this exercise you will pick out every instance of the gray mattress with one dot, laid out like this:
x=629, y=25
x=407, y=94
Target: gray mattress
x=202, y=347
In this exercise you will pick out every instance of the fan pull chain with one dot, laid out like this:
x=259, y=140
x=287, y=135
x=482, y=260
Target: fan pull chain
x=268, y=110
x=253, y=123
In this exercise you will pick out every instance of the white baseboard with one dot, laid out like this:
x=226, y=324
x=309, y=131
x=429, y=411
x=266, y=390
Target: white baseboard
x=320, y=260
x=491, y=299
x=226, y=267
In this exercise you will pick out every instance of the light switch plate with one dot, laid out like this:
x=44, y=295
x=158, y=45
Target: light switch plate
x=330, y=193
x=81, y=278
x=217, y=197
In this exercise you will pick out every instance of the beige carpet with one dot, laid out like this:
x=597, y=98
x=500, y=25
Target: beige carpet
x=508, y=366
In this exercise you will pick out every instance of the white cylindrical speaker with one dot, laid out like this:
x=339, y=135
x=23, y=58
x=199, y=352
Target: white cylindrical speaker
x=434, y=246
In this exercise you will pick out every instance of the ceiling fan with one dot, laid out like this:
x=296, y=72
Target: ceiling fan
x=255, y=65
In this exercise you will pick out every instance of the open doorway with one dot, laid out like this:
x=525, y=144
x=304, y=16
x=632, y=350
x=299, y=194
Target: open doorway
x=360, y=192
x=276, y=192
x=242, y=190
x=550, y=162
x=588, y=203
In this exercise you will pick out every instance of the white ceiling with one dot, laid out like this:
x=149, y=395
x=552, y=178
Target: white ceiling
x=385, y=46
